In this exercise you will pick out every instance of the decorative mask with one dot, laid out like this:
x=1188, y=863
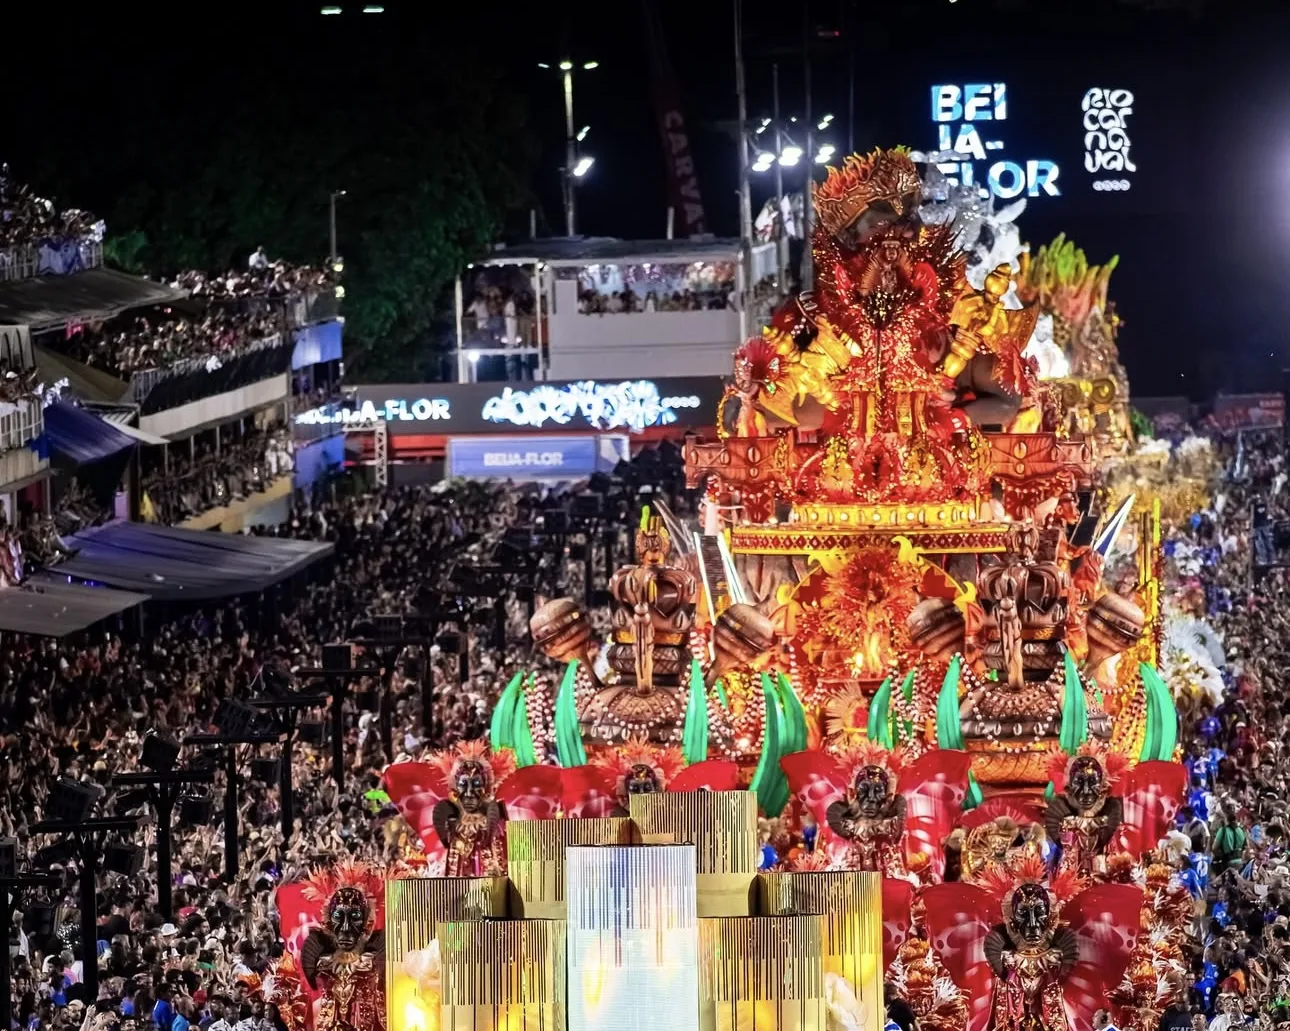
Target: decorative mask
x=1086, y=782
x=349, y=917
x=1028, y=911
x=471, y=785
x=872, y=790
x=641, y=780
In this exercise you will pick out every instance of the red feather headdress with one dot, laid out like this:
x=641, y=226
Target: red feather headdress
x=499, y=765
x=322, y=884
x=618, y=763
x=854, y=758
x=1002, y=883
x=1113, y=765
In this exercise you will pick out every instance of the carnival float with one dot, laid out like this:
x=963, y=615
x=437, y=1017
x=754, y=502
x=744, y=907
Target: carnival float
x=876, y=716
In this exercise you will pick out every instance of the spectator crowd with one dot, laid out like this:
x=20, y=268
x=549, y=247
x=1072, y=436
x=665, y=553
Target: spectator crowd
x=215, y=475
x=82, y=710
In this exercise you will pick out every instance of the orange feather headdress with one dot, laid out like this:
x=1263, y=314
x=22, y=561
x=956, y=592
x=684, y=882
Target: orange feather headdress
x=1113, y=765
x=619, y=762
x=1002, y=883
x=855, y=757
x=499, y=765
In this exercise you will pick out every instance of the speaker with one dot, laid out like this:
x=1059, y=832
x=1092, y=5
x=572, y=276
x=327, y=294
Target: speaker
x=124, y=859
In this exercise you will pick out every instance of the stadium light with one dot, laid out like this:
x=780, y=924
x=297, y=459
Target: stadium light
x=763, y=162
x=373, y=9
x=825, y=153
x=583, y=166
x=824, y=122
x=590, y=66
x=566, y=66
x=790, y=156
x=582, y=133
x=330, y=10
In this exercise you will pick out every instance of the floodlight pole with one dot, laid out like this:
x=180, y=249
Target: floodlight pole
x=163, y=791
x=15, y=884
x=88, y=835
x=231, y=789
x=287, y=713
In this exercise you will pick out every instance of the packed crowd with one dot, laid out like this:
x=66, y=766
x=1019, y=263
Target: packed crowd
x=210, y=476
x=81, y=711
x=628, y=301
x=396, y=552
x=29, y=221
x=234, y=313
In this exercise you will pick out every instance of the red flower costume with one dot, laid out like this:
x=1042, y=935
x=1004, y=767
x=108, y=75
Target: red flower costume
x=877, y=813
x=1033, y=956
x=335, y=951
x=636, y=768
x=459, y=802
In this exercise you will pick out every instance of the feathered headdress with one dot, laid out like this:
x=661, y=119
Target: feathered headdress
x=1113, y=765
x=323, y=883
x=855, y=757
x=619, y=762
x=1002, y=883
x=499, y=765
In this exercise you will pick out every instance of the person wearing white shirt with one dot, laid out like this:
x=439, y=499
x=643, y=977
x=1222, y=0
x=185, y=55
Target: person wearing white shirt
x=258, y=259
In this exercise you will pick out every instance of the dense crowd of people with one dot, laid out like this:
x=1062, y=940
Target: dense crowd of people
x=233, y=313
x=82, y=711
x=185, y=485
x=29, y=222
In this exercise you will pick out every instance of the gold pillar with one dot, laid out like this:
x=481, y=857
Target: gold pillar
x=501, y=975
x=849, y=904
x=761, y=973
x=535, y=860
x=722, y=827
x=414, y=908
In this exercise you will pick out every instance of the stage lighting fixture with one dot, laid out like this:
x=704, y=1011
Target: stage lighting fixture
x=119, y=857
x=588, y=506
x=312, y=732
x=159, y=752
x=59, y=852
x=40, y=918
x=340, y=657
x=449, y=644
x=265, y=771
x=127, y=801
x=555, y=521
x=275, y=682
x=8, y=857
x=234, y=718
x=70, y=801
x=195, y=810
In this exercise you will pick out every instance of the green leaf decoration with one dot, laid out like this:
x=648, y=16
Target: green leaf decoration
x=501, y=728
x=1074, y=729
x=525, y=753
x=794, y=715
x=907, y=692
x=1166, y=713
x=569, y=749
x=1151, y=737
x=769, y=783
x=722, y=697
x=878, y=729
x=974, y=796
x=694, y=736
x=949, y=726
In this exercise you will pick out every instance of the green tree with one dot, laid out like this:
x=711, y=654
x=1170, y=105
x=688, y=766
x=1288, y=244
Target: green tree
x=431, y=155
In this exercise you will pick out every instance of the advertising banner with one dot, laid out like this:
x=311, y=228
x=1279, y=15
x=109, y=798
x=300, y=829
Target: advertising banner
x=1248, y=411
x=626, y=406
x=534, y=458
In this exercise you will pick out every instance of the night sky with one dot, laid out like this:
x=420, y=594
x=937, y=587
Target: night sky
x=1203, y=235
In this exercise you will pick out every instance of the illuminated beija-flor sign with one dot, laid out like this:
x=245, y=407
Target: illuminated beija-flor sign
x=973, y=106
x=633, y=404
x=476, y=407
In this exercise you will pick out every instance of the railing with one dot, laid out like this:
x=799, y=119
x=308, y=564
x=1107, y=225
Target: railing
x=317, y=305
x=53, y=257
x=498, y=331
x=21, y=423
x=144, y=381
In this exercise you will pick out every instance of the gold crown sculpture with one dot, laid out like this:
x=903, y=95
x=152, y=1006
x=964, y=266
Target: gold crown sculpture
x=881, y=175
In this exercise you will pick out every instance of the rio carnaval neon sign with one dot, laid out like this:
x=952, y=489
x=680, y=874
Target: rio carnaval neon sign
x=634, y=404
